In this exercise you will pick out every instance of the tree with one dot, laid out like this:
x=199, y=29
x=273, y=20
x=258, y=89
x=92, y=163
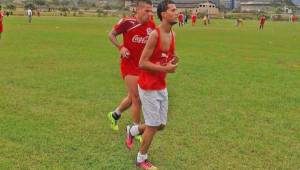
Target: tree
x=6, y=2
x=65, y=3
x=39, y=2
x=55, y=2
x=11, y=6
x=279, y=10
x=29, y=4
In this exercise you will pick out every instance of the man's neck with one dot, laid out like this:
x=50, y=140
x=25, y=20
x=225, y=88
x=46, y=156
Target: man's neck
x=166, y=27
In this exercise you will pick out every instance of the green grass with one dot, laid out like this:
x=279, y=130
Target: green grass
x=234, y=101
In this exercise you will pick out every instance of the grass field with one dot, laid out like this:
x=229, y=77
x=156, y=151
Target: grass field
x=234, y=101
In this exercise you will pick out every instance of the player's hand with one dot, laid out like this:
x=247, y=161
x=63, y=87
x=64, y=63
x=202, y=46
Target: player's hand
x=124, y=52
x=175, y=59
x=170, y=67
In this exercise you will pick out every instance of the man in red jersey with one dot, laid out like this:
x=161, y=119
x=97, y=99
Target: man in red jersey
x=180, y=19
x=194, y=17
x=262, y=21
x=294, y=18
x=1, y=20
x=158, y=59
x=135, y=31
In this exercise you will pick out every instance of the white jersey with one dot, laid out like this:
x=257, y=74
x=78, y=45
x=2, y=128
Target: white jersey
x=29, y=12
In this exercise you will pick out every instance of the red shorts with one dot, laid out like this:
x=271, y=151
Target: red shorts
x=128, y=68
x=1, y=27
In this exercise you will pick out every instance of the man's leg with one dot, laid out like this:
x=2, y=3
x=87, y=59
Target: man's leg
x=142, y=157
x=134, y=131
x=152, y=107
x=115, y=115
x=124, y=105
x=147, y=138
x=131, y=83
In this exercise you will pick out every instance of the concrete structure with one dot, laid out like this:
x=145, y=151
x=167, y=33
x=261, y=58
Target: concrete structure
x=182, y=3
x=296, y=3
x=236, y=4
x=257, y=5
x=227, y=4
x=207, y=8
x=179, y=3
x=202, y=6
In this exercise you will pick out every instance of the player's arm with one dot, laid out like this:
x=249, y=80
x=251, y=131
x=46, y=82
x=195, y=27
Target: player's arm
x=176, y=58
x=145, y=62
x=112, y=36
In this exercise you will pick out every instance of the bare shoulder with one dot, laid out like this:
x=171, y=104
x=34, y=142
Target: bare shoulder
x=152, y=40
x=154, y=34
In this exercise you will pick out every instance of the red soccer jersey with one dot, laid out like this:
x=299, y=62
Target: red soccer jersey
x=149, y=80
x=194, y=18
x=1, y=19
x=262, y=20
x=180, y=17
x=135, y=36
x=294, y=18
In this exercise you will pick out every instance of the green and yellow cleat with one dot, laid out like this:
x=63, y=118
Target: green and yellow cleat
x=138, y=138
x=114, y=123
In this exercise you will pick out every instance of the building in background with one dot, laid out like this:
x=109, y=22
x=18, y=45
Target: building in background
x=258, y=5
x=207, y=8
x=296, y=3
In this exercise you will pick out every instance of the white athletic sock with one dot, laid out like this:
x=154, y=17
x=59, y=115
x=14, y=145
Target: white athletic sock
x=118, y=112
x=140, y=157
x=134, y=130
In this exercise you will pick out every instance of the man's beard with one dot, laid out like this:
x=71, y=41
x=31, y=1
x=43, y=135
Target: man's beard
x=145, y=19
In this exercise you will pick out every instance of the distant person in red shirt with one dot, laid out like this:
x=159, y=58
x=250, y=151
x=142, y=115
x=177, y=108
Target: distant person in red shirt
x=135, y=31
x=39, y=12
x=180, y=19
x=294, y=18
x=158, y=59
x=194, y=18
x=262, y=21
x=1, y=21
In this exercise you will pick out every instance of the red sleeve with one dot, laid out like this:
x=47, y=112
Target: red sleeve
x=152, y=23
x=123, y=25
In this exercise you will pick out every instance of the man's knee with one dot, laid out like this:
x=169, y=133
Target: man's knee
x=134, y=96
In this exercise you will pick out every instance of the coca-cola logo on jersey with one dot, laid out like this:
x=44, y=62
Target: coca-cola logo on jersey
x=139, y=39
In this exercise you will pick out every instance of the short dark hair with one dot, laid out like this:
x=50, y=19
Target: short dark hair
x=163, y=7
x=138, y=2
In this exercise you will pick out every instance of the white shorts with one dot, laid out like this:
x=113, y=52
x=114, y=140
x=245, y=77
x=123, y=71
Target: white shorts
x=154, y=106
